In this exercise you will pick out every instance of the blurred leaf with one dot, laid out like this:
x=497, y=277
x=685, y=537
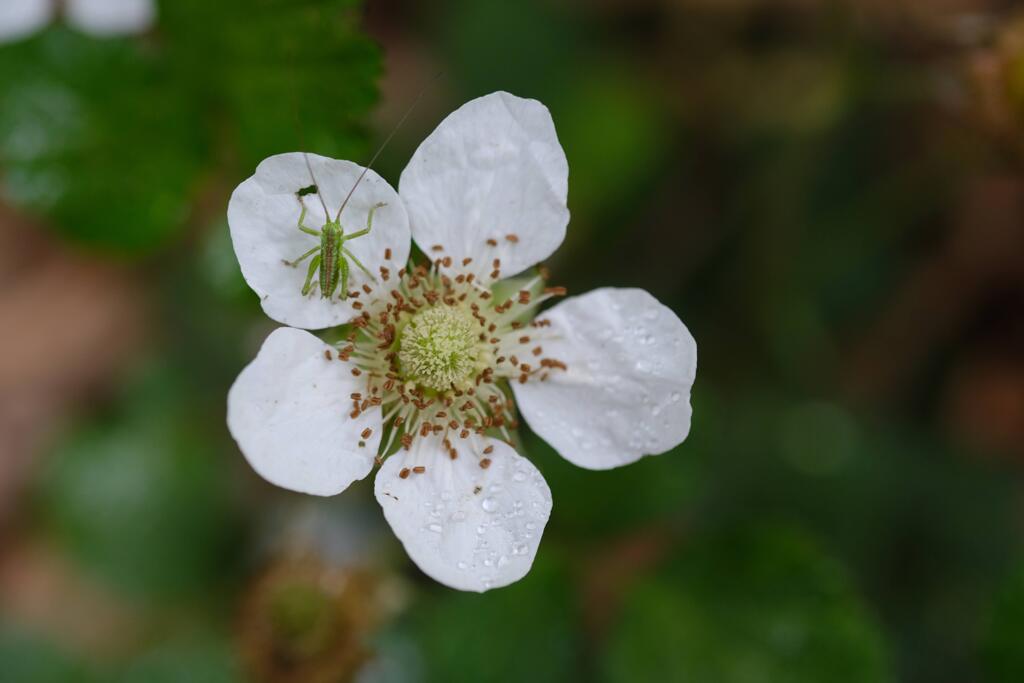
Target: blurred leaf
x=94, y=133
x=763, y=606
x=523, y=632
x=27, y=659
x=206, y=659
x=141, y=499
x=1003, y=651
x=280, y=75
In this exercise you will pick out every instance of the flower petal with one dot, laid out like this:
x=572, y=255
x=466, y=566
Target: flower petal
x=626, y=393
x=469, y=527
x=19, y=18
x=493, y=168
x=103, y=18
x=263, y=215
x=288, y=411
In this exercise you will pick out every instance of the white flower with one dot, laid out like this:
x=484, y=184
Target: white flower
x=101, y=18
x=433, y=359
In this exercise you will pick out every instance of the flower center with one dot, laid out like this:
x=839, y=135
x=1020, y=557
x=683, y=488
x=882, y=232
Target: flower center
x=440, y=349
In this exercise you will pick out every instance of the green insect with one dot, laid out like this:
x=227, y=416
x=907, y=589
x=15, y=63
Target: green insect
x=330, y=258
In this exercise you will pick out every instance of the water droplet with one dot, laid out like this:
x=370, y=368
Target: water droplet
x=503, y=560
x=436, y=528
x=461, y=565
x=643, y=366
x=676, y=396
x=458, y=516
x=481, y=529
x=519, y=476
x=489, y=504
x=520, y=548
x=531, y=526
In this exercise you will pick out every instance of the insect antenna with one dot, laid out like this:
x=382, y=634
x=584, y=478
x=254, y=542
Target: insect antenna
x=385, y=144
x=319, y=196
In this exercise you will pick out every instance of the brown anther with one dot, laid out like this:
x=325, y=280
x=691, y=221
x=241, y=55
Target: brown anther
x=488, y=450
x=464, y=433
x=523, y=377
x=327, y=354
x=466, y=261
x=356, y=372
x=538, y=350
x=406, y=441
x=524, y=340
x=366, y=288
x=385, y=274
x=452, y=453
x=357, y=305
x=404, y=474
x=555, y=291
x=356, y=396
x=366, y=433
x=492, y=242
x=485, y=463
x=419, y=469
x=512, y=237
x=524, y=297
x=437, y=247
x=387, y=254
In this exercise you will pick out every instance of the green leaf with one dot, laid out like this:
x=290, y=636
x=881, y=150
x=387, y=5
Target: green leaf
x=522, y=632
x=95, y=134
x=757, y=607
x=141, y=500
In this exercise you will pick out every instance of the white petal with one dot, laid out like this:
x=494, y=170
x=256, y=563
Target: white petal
x=289, y=412
x=104, y=18
x=626, y=393
x=468, y=527
x=19, y=18
x=263, y=215
x=493, y=168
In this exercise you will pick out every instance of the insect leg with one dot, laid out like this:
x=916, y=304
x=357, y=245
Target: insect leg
x=303, y=257
x=343, y=271
x=369, y=222
x=313, y=266
x=302, y=217
x=356, y=261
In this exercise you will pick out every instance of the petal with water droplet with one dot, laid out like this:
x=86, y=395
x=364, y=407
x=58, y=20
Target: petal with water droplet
x=489, y=520
x=626, y=393
x=288, y=411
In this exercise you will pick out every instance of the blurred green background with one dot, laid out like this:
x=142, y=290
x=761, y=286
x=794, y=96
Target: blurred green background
x=829, y=194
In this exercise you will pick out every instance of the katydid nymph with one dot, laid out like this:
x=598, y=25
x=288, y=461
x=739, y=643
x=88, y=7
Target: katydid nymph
x=330, y=258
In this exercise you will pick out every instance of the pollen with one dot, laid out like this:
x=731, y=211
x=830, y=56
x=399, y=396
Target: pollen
x=440, y=348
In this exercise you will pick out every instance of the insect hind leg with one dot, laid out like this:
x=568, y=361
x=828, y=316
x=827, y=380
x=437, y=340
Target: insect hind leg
x=358, y=263
x=314, y=265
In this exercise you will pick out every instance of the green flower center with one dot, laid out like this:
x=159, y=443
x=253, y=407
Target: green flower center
x=440, y=348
